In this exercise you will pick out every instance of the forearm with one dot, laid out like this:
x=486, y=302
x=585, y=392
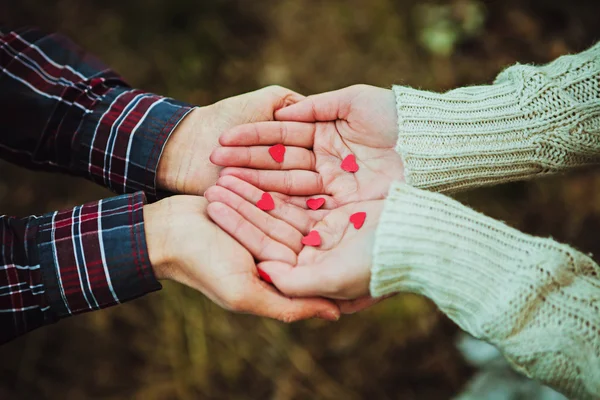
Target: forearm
x=532, y=121
x=23, y=305
x=73, y=261
x=533, y=298
x=63, y=110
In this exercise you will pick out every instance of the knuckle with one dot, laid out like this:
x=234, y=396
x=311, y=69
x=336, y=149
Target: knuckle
x=256, y=132
x=222, y=180
x=287, y=183
x=283, y=132
x=227, y=181
x=238, y=227
x=314, y=111
x=263, y=245
x=257, y=179
x=249, y=157
x=276, y=88
x=287, y=200
x=272, y=226
x=309, y=158
x=210, y=193
x=278, y=92
x=292, y=236
x=287, y=317
x=238, y=205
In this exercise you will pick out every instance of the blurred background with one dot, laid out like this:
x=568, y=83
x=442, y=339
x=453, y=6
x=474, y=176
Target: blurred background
x=175, y=344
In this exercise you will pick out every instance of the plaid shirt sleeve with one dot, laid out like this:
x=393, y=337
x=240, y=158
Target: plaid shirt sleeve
x=62, y=110
x=72, y=261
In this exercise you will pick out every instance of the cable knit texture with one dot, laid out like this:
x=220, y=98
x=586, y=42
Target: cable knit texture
x=535, y=299
x=531, y=121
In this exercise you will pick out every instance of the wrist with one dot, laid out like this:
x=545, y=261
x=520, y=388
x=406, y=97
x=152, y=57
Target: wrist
x=464, y=138
x=390, y=114
x=184, y=166
x=156, y=228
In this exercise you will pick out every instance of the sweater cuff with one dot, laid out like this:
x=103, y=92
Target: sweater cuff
x=430, y=244
x=533, y=298
x=531, y=121
x=457, y=140
x=95, y=255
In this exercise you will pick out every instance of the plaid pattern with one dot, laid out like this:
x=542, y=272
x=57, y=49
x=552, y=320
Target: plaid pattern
x=64, y=111
x=23, y=305
x=98, y=254
x=86, y=120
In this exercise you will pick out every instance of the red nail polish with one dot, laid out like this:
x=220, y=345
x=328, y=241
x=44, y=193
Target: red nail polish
x=264, y=276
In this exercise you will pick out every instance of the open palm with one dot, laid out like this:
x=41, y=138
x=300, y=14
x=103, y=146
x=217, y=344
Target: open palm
x=189, y=248
x=339, y=268
x=319, y=132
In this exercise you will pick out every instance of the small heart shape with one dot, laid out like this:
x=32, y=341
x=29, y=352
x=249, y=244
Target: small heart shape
x=277, y=152
x=312, y=239
x=349, y=163
x=266, y=202
x=315, y=204
x=264, y=276
x=358, y=219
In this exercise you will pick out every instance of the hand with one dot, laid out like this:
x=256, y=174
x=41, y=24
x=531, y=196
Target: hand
x=184, y=166
x=185, y=246
x=338, y=269
x=362, y=121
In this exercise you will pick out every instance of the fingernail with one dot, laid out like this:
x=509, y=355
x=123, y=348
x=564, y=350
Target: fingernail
x=264, y=276
x=330, y=316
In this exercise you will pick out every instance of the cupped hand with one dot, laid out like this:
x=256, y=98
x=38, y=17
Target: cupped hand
x=185, y=246
x=339, y=268
x=184, y=166
x=319, y=132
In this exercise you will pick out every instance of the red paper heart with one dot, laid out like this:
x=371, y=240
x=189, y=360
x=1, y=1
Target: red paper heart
x=277, y=152
x=349, y=163
x=312, y=239
x=358, y=219
x=266, y=202
x=264, y=276
x=315, y=204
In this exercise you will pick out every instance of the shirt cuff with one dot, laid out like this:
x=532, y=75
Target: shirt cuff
x=95, y=255
x=122, y=140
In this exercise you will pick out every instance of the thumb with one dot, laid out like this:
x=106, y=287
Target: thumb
x=321, y=107
x=297, y=281
x=280, y=97
x=268, y=302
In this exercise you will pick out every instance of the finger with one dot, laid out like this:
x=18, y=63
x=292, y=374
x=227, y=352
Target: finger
x=258, y=157
x=261, y=246
x=300, y=201
x=297, y=217
x=356, y=305
x=265, y=301
x=294, y=182
x=282, y=96
x=273, y=227
x=305, y=281
x=297, y=134
x=327, y=106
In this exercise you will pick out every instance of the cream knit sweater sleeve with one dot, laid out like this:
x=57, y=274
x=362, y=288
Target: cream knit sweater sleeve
x=537, y=300
x=531, y=121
